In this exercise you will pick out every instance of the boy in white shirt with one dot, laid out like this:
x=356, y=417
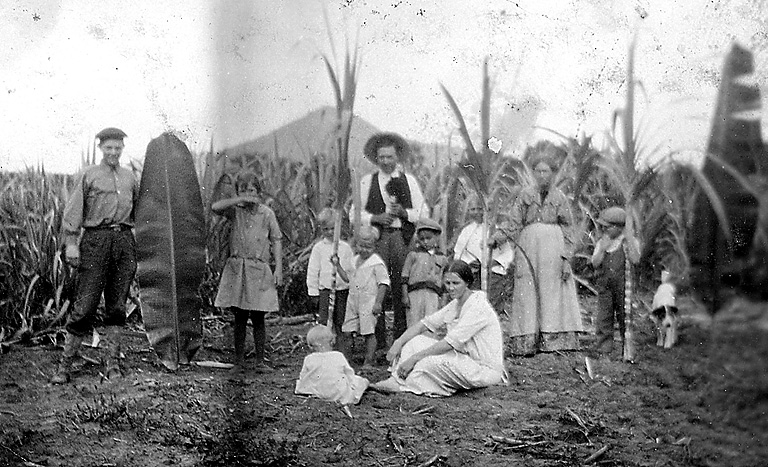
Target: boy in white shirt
x=320, y=278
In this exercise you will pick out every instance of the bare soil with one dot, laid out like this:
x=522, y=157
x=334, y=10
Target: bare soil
x=702, y=403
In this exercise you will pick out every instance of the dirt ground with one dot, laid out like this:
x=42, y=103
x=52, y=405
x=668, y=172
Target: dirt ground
x=702, y=403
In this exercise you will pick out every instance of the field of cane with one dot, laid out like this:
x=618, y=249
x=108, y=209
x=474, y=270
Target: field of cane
x=701, y=403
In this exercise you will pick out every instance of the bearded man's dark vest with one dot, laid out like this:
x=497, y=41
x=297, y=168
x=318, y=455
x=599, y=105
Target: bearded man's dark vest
x=375, y=203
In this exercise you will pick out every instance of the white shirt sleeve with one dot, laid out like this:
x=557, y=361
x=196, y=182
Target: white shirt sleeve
x=365, y=216
x=313, y=272
x=420, y=208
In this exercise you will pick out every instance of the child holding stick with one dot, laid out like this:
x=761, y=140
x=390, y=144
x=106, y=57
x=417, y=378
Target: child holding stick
x=320, y=278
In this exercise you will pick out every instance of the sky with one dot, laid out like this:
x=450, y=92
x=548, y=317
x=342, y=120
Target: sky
x=228, y=72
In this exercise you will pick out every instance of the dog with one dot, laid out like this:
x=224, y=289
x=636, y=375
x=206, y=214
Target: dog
x=666, y=321
x=664, y=314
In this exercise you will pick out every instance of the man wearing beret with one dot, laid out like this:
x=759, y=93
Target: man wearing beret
x=96, y=226
x=392, y=201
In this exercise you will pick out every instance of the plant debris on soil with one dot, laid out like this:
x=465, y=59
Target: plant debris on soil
x=701, y=403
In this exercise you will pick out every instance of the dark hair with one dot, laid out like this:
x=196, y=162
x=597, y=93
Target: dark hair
x=461, y=269
x=245, y=179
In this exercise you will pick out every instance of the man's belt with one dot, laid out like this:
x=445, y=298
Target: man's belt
x=112, y=227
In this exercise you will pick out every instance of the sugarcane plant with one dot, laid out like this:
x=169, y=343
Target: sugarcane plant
x=633, y=170
x=485, y=170
x=344, y=93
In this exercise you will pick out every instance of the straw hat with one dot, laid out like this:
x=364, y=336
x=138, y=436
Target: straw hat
x=383, y=140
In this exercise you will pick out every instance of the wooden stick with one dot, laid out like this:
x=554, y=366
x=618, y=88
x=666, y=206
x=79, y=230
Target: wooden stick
x=430, y=461
x=508, y=441
x=597, y=455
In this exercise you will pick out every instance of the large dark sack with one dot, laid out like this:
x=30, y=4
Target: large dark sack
x=170, y=238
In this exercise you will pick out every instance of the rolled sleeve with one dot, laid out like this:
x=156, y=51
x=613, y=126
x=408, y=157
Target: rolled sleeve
x=381, y=275
x=72, y=219
x=420, y=208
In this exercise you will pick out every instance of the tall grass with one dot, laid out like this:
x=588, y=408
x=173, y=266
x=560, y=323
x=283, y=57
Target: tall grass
x=35, y=286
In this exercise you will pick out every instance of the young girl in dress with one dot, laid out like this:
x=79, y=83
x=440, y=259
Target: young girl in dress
x=248, y=286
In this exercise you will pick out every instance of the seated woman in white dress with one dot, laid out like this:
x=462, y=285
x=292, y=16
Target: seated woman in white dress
x=469, y=356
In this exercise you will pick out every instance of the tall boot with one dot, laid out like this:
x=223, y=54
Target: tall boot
x=71, y=347
x=112, y=363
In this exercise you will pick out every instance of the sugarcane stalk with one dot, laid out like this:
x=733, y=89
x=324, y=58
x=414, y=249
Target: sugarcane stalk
x=485, y=263
x=628, y=351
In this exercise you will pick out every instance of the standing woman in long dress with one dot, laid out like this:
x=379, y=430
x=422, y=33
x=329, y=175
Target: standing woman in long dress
x=541, y=223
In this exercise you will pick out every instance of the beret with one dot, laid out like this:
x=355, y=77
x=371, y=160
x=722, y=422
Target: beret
x=426, y=223
x=110, y=133
x=613, y=215
x=382, y=140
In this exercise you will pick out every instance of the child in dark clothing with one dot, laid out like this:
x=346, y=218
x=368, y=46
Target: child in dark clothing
x=423, y=273
x=614, y=251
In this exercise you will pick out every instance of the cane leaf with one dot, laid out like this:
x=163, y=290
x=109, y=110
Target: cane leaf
x=170, y=234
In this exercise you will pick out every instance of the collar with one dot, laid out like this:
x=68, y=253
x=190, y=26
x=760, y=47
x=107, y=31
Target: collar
x=395, y=173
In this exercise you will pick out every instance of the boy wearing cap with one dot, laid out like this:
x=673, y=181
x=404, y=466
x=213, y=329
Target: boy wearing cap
x=423, y=273
x=615, y=249
x=320, y=277
x=101, y=207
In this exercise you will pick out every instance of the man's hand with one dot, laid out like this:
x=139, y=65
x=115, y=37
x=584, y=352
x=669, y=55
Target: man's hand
x=376, y=310
x=279, y=279
x=398, y=210
x=72, y=255
x=384, y=219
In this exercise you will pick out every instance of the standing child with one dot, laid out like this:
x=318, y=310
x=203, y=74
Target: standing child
x=368, y=284
x=615, y=247
x=469, y=248
x=320, y=278
x=423, y=273
x=248, y=287
x=326, y=372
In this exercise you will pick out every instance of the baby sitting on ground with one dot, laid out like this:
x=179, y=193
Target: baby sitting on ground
x=326, y=373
